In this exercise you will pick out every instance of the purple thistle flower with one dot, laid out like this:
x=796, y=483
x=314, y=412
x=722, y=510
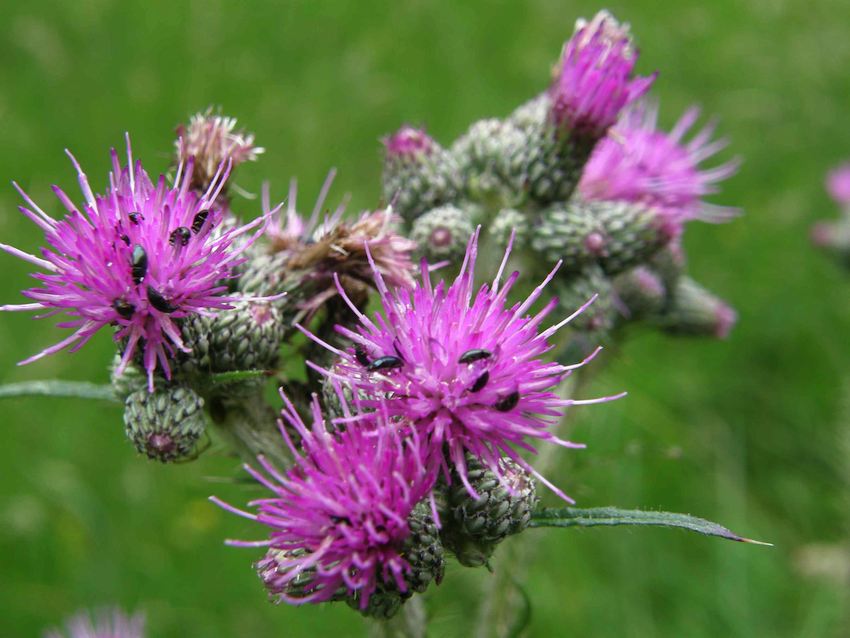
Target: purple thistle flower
x=593, y=80
x=838, y=184
x=339, y=516
x=138, y=258
x=111, y=623
x=639, y=163
x=408, y=141
x=462, y=367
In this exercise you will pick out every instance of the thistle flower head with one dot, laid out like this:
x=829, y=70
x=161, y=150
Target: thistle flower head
x=464, y=367
x=838, y=184
x=138, y=258
x=408, y=142
x=639, y=163
x=112, y=623
x=593, y=80
x=209, y=140
x=339, y=517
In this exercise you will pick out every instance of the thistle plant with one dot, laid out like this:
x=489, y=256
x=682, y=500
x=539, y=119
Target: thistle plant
x=408, y=438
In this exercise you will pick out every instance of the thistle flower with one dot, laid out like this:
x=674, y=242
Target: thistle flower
x=639, y=163
x=838, y=184
x=593, y=80
x=139, y=258
x=210, y=140
x=112, y=623
x=339, y=517
x=464, y=368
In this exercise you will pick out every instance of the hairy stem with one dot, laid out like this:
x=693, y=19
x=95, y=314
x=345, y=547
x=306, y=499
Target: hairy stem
x=410, y=622
x=501, y=600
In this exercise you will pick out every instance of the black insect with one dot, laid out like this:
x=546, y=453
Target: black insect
x=159, y=302
x=198, y=221
x=136, y=218
x=508, y=403
x=180, y=234
x=474, y=355
x=139, y=264
x=480, y=382
x=385, y=363
x=360, y=355
x=124, y=238
x=123, y=308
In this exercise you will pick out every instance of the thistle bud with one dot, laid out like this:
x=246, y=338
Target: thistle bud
x=246, y=337
x=503, y=508
x=489, y=160
x=574, y=291
x=617, y=235
x=263, y=275
x=418, y=173
x=508, y=221
x=442, y=233
x=641, y=292
x=164, y=424
x=695, y=311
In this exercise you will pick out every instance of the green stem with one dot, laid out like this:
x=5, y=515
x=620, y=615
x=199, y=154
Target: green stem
x=57, y=388
x=410, y=622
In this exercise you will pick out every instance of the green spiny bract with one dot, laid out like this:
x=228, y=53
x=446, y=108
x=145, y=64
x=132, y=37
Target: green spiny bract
x=418, y=174
x=693, y=310
x=165, y=424
x=246, y=337
x=442, y=233
x=473, y=527
x=488, y=156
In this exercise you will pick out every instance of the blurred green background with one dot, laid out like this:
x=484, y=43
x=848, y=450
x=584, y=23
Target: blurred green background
x=753, y=432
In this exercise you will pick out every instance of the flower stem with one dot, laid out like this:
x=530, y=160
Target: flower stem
x=410, y=622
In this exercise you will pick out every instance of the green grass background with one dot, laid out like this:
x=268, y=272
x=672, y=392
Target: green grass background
x=748, y=431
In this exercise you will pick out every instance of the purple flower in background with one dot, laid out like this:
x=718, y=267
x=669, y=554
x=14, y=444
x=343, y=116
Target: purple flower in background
x=593, y=81
x=138, y=258
x=408, y=141
x=639, y=163
x=463, y=367
x=838, y=184
x=112, y=623
x=339, y=517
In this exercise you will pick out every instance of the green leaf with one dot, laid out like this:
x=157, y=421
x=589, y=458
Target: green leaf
x=57, y=388
x=610, y=516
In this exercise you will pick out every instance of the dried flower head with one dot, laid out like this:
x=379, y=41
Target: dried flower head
x=210, y=140
x=109, y=623
x=339, y=517
x=139, y=258
x=593, y=80
x=332, y=246
x=639, y=163
x=464, y=368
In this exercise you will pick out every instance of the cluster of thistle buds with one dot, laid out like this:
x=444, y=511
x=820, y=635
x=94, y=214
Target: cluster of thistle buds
x=581, y=173
x=405, y=437
x=834, y=236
